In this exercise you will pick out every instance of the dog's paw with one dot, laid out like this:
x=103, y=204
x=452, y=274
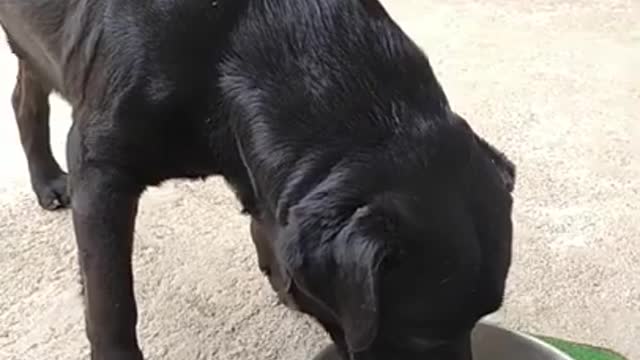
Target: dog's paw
x=52, y=194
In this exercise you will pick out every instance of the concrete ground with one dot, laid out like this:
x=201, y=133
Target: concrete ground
x=549, y=81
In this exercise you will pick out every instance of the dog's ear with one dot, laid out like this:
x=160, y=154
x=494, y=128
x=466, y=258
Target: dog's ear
x=334, y=263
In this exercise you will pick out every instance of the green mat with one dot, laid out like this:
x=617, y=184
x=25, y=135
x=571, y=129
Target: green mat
x=580, y=351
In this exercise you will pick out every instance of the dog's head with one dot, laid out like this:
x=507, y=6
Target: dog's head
x=405, y=273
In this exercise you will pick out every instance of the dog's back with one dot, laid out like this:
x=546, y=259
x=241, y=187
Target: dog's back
x=331, y=75
x=150, y=62
x=51, y=34
x=87, y=49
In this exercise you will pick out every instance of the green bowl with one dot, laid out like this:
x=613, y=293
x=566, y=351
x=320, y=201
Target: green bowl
x=491, y=342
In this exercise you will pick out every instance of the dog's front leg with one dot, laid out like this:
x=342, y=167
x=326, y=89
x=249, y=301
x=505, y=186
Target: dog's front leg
x=104, y=204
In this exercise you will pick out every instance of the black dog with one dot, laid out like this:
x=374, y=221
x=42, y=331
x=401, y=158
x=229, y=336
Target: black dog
x=388, y=219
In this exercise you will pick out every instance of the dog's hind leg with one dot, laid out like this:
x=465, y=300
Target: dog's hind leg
x=31, y=107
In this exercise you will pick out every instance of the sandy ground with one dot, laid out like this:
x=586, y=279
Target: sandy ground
x=548, y=81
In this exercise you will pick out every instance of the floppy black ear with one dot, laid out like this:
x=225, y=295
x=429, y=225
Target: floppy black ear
x=333, y=263
x=358, y=261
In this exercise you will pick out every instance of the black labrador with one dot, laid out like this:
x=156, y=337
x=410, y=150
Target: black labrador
x=386, y=218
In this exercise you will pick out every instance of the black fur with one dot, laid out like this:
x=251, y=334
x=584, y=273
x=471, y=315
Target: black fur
x=384, y=216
